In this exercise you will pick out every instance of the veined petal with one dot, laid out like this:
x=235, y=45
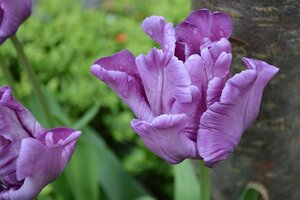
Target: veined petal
x=202, y=24
x=12, y=14
x=119, y=72
x=165, y=80
x=165, y=137
x=214, y=90
x=222, y=125
x=40, y=164
x=193, y=112
x=161, y=32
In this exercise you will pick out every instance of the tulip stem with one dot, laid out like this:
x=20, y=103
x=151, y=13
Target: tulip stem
x=37, y=89
x=8, y=76
x=205, y=182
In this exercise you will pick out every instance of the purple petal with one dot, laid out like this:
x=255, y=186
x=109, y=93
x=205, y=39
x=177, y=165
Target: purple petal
x=122, y=61
x=159, y=31
x=17, y=116
x=119, y=72
x=222, y=65
x=196, y=69
x=193, y=112
x=11, y=134
x=8, y=157
x=180, y=50
x=224, y=122
x=207, y=63
x=215, y=68
x=220, y=46
x=165, y=80
x=39, y=164
x=165, y=137
x=202, y=24
x=12, y=14
x=214, y=90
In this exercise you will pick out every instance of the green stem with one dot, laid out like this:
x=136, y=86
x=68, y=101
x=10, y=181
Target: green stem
x=8, y=76
x=24, y=61
x=205, y=182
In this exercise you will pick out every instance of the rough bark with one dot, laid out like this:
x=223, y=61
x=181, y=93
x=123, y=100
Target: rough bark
x=269, y=152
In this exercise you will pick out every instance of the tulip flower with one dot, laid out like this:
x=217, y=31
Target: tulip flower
x=12, y=14
x=185, y=101
x=30, y=156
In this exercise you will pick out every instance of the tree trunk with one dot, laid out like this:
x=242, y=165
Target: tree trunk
x=269, y=152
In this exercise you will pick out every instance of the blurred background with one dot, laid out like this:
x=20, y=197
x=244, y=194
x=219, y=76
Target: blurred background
x=62, y=39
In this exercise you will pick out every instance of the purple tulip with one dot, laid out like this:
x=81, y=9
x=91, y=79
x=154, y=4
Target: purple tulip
x=186, y=102
x=30, y=156
x=12, y=14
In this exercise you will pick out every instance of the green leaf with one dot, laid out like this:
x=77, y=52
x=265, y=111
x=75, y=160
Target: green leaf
x=87, y=117
x=61, y=188
x=205, y=182
x=249, y=194
x=116, y=183
x=83, y=171
x=253, y=191
x=186, y=183
x=145, y=198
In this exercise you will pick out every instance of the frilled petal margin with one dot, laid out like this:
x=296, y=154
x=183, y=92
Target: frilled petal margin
x=120, y=73
x=165, y=80
x=12, y=14
x=165, y=137
x=41, y=162
x=199, y=25
x=224, y=122
x=159, y=31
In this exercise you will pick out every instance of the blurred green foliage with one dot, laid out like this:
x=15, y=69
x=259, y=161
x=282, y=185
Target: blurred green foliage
x=62, y=39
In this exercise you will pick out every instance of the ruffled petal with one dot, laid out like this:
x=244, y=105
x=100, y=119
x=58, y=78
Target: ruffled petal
x=220, y=46
x=119, y=72
x=39, y=164
x=159, y=31
x=12, y=14
x=19, y=116
x=202, y=24
x=196, y=68
x=222, y=125
x=193, y=112
x=222, y=65
x=215, y=68
x=165, y=80
x=214, y=90
x=165, y=137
